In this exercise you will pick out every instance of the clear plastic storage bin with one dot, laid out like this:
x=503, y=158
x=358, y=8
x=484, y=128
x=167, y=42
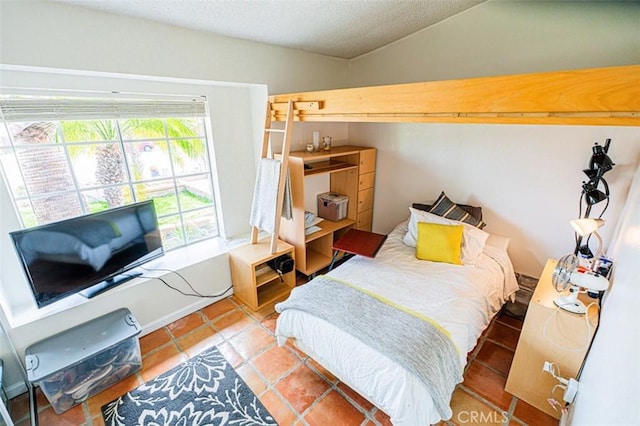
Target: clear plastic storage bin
x=77, y=363
x=332, y=206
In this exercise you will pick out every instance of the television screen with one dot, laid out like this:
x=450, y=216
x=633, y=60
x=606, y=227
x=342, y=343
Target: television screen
x=89, y=253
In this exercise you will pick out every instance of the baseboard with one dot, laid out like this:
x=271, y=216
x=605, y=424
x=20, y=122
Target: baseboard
x=189, y=309
x=15, y=389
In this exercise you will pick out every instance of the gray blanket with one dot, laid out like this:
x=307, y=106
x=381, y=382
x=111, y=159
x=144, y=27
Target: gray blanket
x=416, y=344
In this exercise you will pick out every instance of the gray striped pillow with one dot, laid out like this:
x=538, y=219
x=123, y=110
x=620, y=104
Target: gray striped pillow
x=444, y=207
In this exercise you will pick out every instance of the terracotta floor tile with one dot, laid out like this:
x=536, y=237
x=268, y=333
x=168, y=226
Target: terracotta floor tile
x=251, y=341
x=488, y=384
x=275, y=362
x=513, y=322
x=185, y=324
x=20, y=406
x=117, y=390
x=302, y=388
x=505, y=335
x=221, y=307
x=154, y=340
x=230, y=354
x=291, y=372
x=251, y=378
x=263, y=312
x=198, y=340
x=356, y=397
x=334, y=410
x=531, y=415
x=468, y=410
x=277, y=408
x=270, y=322
x=73, y=417
x=323, y=371
x=496, y=357
x=233, y=323
x=382, y=418
x=97, y=421
x=159, y=362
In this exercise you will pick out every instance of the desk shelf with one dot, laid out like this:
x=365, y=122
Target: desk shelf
x=351, y=171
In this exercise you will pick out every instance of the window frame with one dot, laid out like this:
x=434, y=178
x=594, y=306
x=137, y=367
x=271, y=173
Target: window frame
x=209, y=174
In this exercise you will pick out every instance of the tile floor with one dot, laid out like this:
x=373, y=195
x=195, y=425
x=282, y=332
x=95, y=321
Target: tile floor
x=293, y=387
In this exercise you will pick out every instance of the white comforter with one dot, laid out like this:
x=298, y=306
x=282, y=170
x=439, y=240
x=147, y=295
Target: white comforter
x=462, y=299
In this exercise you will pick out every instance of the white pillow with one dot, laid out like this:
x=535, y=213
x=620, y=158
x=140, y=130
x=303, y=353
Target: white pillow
x=473, y=239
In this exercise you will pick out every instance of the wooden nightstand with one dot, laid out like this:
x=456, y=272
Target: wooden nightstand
x=254, y=282
x=549, y=334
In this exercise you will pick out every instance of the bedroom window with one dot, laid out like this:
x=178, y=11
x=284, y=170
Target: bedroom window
x=65, y=157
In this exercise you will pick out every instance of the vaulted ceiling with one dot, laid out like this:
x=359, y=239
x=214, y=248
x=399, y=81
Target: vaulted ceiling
x=340, y=28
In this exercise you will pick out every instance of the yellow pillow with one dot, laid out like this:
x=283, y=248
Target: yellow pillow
x=439, y=243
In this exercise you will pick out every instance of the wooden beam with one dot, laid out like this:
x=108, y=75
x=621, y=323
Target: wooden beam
x=597, y=96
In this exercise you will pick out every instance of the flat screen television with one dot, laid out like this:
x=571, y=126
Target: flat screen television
x=88, y=254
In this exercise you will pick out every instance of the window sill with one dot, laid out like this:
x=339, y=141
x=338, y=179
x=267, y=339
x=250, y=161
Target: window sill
x=176, y=260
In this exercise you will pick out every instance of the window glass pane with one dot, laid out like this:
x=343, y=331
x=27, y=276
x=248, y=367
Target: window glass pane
x=42, y=132
x=142, y=128
x=190, y=156
x=50, y=208
x=195, y=192
x=171, y=231
x=60, y=169
x=4, y=136
x=181, y=127
x=45, y=169
x=26, y=213
x=149, y=160
x=96, y=200
x=200, y=224
x=12, y=174
x=89, y=130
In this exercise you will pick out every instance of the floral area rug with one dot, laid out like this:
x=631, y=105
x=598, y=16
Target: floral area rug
x=204, y=390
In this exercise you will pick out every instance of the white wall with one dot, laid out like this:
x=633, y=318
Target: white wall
x=154, y=58
x=509, y=37
x=50, y=34
x=527, y=178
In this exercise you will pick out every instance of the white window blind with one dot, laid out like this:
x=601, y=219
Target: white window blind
x=53, y=109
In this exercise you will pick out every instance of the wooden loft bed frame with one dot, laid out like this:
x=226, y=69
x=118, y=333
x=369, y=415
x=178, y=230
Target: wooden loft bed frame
x=595, y=96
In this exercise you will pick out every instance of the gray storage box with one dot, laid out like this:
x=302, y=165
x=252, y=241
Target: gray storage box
x=332, y=206
x=77, y=363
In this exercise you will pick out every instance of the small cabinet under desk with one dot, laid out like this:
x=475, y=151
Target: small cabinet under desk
x=254, y=282
x=351, y=171
x=549, y=334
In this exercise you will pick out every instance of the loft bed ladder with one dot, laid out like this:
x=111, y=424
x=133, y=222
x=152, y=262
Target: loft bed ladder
x=267, y=152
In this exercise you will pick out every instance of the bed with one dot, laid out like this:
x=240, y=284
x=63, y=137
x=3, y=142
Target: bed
x=458, y=301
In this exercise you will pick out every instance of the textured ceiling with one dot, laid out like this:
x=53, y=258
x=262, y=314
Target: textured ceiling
x=340, y=28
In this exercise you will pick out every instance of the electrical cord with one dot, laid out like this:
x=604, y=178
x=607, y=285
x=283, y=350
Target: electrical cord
x=586, y=317
x=195, y=293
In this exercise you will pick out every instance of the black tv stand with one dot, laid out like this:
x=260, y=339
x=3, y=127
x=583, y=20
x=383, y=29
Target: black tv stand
x=108, y=284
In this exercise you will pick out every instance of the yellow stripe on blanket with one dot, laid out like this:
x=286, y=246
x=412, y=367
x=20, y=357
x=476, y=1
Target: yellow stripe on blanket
x=399, y=307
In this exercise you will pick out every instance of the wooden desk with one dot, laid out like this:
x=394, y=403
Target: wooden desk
x=356, y=241
x=548, y=334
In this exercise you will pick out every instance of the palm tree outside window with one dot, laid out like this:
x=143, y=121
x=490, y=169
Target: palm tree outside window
x=57, y=168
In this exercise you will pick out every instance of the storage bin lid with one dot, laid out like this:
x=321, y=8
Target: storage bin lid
x=57, y=352
x=332, y=197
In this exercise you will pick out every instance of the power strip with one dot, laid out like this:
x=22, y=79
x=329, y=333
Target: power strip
x=570, y=386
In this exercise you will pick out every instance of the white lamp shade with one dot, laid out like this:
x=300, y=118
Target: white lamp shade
x=585, y=227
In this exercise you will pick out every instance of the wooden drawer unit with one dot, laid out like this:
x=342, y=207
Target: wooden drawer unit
x=351, y=171
x=366, y=181
x=254, y=282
